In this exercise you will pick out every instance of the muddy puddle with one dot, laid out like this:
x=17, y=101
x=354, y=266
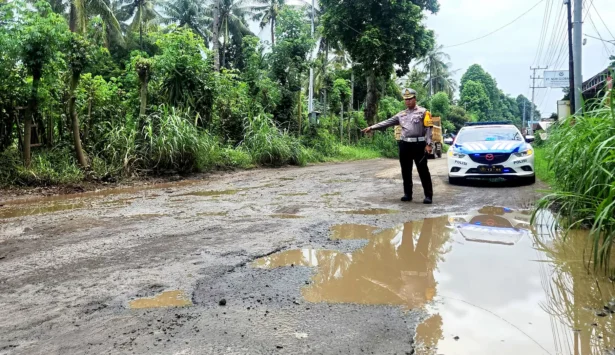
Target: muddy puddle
x=372, y=211
x=166, y=299
x=24, y=211
x=486, y=283
x=50, y=204
x=142, y=189
x=212, y=214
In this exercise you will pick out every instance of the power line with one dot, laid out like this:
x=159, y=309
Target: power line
x=599, y=35
x=499, y=29
x=547, y=31
x=556, y=38
x=604, y=23
x=543, y=35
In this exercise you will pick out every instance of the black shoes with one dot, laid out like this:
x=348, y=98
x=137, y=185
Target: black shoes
x=427, y=200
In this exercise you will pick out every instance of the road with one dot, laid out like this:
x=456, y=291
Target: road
x=323, y=259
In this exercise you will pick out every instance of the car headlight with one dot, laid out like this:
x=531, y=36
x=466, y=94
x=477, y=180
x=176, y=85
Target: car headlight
x=525, y=153
x=452, y=153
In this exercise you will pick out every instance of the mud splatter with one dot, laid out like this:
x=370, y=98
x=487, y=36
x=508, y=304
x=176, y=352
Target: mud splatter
x=176, y=298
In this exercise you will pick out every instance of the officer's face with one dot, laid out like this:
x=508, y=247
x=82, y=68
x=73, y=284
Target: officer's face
x=410, y=103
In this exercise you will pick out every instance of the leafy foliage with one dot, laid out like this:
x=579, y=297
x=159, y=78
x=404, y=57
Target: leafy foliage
x=581, y=155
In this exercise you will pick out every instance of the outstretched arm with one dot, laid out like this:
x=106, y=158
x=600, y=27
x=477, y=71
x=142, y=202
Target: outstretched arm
x=383, y=125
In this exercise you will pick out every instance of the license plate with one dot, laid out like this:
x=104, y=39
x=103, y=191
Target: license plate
x=490, y=169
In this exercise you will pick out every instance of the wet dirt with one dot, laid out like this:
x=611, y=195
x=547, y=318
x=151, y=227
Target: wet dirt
x=67, y=277
x=210, y=193
x=373, y=211
x=166, y=299
x=286, y=216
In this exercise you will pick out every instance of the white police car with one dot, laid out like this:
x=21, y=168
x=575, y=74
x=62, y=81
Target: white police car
x=488, y=150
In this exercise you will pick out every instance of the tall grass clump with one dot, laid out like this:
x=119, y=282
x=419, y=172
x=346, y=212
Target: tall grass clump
x=269, y=145
x=581, y=155
x=170, y=141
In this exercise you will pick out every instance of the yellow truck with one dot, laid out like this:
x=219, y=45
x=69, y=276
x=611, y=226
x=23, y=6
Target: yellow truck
x=436, y=137
x=437, y=140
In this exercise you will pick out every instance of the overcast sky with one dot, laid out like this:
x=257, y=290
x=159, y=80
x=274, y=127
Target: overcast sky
x=508, y=54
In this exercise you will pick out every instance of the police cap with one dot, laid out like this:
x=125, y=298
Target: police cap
x=408, y=93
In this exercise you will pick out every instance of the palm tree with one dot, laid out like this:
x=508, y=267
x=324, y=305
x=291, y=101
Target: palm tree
x=143, y=13
x=267, y=13
x=436, y=64
x=188, y=13
x=232, y=21
x=80, y=10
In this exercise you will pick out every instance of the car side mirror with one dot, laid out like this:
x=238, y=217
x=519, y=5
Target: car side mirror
x=529, y=140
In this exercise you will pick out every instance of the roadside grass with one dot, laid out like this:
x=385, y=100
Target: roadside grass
x=581, y=167
x=349, y=153
x=541, y=166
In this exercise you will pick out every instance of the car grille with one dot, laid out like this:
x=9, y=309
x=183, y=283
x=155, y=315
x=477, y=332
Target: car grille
x=498, y=158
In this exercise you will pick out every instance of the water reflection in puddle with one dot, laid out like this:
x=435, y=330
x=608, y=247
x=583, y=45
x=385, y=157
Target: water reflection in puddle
x=174, y=298
x=484, y=286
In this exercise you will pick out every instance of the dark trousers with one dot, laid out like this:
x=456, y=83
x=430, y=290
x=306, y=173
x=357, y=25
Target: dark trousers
x=409, y=152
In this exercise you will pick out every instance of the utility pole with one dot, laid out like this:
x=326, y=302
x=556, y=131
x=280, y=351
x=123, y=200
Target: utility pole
x=577, y=51
x=534, y=87
x=311, y=94
x=523, y=125
x=570, y=57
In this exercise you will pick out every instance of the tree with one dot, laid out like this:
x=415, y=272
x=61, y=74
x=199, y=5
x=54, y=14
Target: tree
x=379, y=36
x=43, y=34
x=440, y=105
x=80, y=10
x=143, y=68
x=289, y=59
x=267, y=13
x=458, y=117
x=143, y=12
x=216, y=34
x=438, y=68
x=188, y=13
x=232, y=21
x=416, y=80
x=13, y=84
x=477, y=74
x=524, y=102
x=475, y=99
x=77, y=60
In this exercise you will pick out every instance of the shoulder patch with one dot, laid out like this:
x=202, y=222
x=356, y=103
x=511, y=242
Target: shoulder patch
x=427, y=120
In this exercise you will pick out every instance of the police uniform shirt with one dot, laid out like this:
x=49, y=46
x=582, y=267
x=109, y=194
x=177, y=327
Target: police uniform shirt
x=414, y=123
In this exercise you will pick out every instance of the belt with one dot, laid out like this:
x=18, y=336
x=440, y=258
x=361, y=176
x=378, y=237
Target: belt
x=413, y=139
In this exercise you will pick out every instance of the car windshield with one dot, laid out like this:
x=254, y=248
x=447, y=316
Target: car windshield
x=489, y=134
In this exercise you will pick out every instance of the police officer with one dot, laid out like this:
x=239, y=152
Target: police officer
x=415, y=142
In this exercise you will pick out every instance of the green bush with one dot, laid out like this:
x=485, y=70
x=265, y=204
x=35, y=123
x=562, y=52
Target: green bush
x=383, y=142
x=48, y=167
